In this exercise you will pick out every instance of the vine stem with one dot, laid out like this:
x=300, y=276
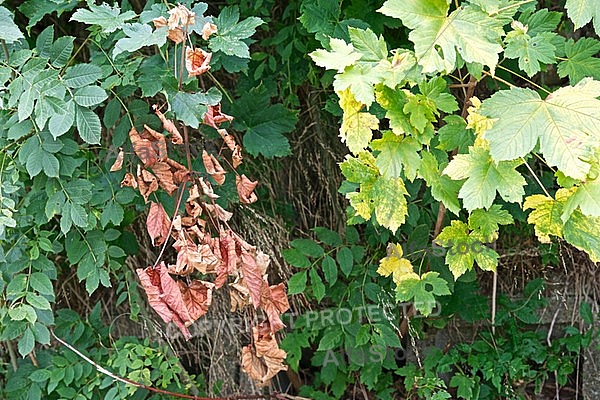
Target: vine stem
x=101, y=369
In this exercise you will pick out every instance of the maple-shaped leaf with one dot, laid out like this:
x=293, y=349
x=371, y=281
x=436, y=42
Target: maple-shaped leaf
x=465, y=248
x=138, y=36
x=469, y=31
x=566, y=125
x=357, y=126
x=197, y=297
x=580, y=61
x=443, y=189
x=360, y=169
x=360, y=79
x=274, y=302
x=455, y=135
x=396, y=152
x=583, y=11
x=396, y=265
x=339, y=57
x=422, y=291
x=587, y=197
x=109, y=18
x=487, y=222
x=484, y=177
x=158, y=224
x=531, y=51
x=197, y=61
x=580, y=230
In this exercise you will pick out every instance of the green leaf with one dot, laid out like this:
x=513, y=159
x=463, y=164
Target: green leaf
x=327, y=236
x=89, y=96
x=78, y=191
x=390, y=202
x=484, y=177
x=395, y=152
x=438, y=37
x=340, y=56
x=265, y=123
x=345, y=260
x=50, y=164
x=464, y=385
x=60, y=123
x=81, y=75
x=566, y=124
x=580, y=62
x=330, y=340
x=316, y=283
x=531, y=51
x=37, y=301
x=546, y=215
x=541, y=21
x=361, y=169
x=583, y=11
x=44, y=41
x=35, y=10
x=422, y=291
x=357, y=127
x=329, y=268
x=112, y=212
x=191, y=107
x=586, y=197
x=61, y=50
x=41, y=283
x=138, y=36
x=371, y=47
x=487, y=222
x=88, y=125
x=26, y=343
x=583, y=232
x=230, y=36
x=295, y=258
x=297, y=283
x=360, y=80
x=455, y=135
x=9, y=31
x=308, y=247
x=320, y=17
x=108, y=18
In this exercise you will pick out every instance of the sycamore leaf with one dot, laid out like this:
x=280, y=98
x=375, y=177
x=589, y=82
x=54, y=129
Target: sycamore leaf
x=484, y=178
x=357, y=127
x=232, y=32
x=531, y=51
x=394, y=264
x=265, y=359
x=360, y=169
x=580, y=62
x=197, y=297
x=545, y=215
x=422, y=291
x=371, y=47
x=583, y=11
x=438, y=37
x=487, y=222
x=455, y=135
x=138, y=36
x=108, y=18
x=567, y=125
x=274, y=302
x=340, y=56
x=586, y=197
x=396, y=152
x=583, y=232
x=443, y=189
x=360, y=79
x=158, y=224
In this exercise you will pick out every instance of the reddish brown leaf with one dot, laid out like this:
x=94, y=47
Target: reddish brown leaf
x=158, y=224
x=118, y=164
x=159, y=143
x=143, y=148
x=245, y=188
x=274, y=302
x=165, y=177
x=197, y=297
x=207, y=189
x=228, y=256
x=213, y=168
x=236, y=156
x=170, y=127
x=181, y=16
x=191, y=256
x=214, y=117
x=176, y=35
x=250, y=272
x=180, y=173
x=265, y=360
x=208, y=29
x=197, y=61
x=239, y=296
x=147, y=183
x=165, y=297
x=218, y=212
x=129, y=180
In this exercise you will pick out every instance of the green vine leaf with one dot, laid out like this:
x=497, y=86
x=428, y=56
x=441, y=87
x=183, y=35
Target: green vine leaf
x=231, y=33
x=583, y=11
x=487, y=222
x=339, y=57
x=531, y=51
x=396, y=152
x=484, y=177
x=566, y=124
x=422, y=291
x=438, y=37
x=580, y=62
x=108, y=18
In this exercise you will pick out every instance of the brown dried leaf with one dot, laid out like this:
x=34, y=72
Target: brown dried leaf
x=197, y=61
x=144, y=148
x=129, y=180
x=191, y=256
x=159, y=144
x=250, y=271
x=176, y=35
x=274, y=302
x=218, y=212
x=165, y=297
x=237, y=156
x=181, y=16
x=214, y=117
x=229, y=139
x=170, y=127
x=265, y=360
x=158, y=224
x=165, y=177
x=147, y=183
x=180, y=173
x=229, y=257
x=208, y=29
x=197, y=297
x=118, y=164
x=207, y=189
x=213, y=168
x=245, y=188
x=239, y=296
